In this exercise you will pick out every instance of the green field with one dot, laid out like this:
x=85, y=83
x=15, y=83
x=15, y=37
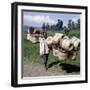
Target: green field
x=71, y=33
x=31, y=51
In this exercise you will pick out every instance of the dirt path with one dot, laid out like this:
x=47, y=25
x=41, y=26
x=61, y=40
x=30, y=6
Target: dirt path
x=33, y=69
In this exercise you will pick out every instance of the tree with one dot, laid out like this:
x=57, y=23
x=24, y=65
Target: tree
x=53, y=27
x=70, y=24
x=59, y=24
x=47, y=26
x=73, y=26
x=43, y=26
x=78, y=23
x=66, y=30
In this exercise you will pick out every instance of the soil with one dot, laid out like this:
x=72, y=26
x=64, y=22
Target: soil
x=36, y=69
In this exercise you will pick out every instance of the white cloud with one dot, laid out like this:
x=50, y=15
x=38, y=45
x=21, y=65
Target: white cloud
x=39, y=19
x=75, y=19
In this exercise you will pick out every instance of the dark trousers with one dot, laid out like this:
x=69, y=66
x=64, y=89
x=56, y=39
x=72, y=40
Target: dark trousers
x=45, y=58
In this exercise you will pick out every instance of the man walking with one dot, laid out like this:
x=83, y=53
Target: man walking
x=44, y=50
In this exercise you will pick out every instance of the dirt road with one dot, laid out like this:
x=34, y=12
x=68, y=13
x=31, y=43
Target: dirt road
x=35, y=69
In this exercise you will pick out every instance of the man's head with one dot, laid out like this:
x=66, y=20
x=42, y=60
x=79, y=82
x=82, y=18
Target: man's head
x=45, y=35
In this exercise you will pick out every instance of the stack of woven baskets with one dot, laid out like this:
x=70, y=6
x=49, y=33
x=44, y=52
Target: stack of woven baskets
x=32, y=38
x=63, y=47
x=33, y=35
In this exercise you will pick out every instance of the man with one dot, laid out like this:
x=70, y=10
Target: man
x=44, y=50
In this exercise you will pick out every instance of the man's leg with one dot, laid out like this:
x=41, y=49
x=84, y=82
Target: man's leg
x=45, y=61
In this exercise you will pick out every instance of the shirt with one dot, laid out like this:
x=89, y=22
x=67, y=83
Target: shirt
x=43, y=46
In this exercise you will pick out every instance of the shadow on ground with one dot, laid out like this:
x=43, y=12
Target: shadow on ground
x=67, y=67
x=53, y=63
x=70, y=68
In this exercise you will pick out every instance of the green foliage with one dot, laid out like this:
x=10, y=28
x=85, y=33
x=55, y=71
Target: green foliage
x=74, y=33
x=70, y=33
x=31, y=52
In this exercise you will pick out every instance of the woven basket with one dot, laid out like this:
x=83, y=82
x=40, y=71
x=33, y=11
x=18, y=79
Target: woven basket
x=76, y=42
x=49, y=40
x=66, y=37
x=57, y=37
x=33, y=39
x=28, y=36
x=66, y=44
x=72, y=55
x=55, y=52
x=62, y=55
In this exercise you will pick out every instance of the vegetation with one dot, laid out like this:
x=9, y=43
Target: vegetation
x=59, y=25
x=69, y=33
x=31, y=51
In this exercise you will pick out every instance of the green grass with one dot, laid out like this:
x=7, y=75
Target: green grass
x=74, y=33
x=71, y=33
x=31, y=51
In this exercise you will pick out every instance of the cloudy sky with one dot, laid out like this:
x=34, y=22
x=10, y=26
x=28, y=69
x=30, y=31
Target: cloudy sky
x=36, y=19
